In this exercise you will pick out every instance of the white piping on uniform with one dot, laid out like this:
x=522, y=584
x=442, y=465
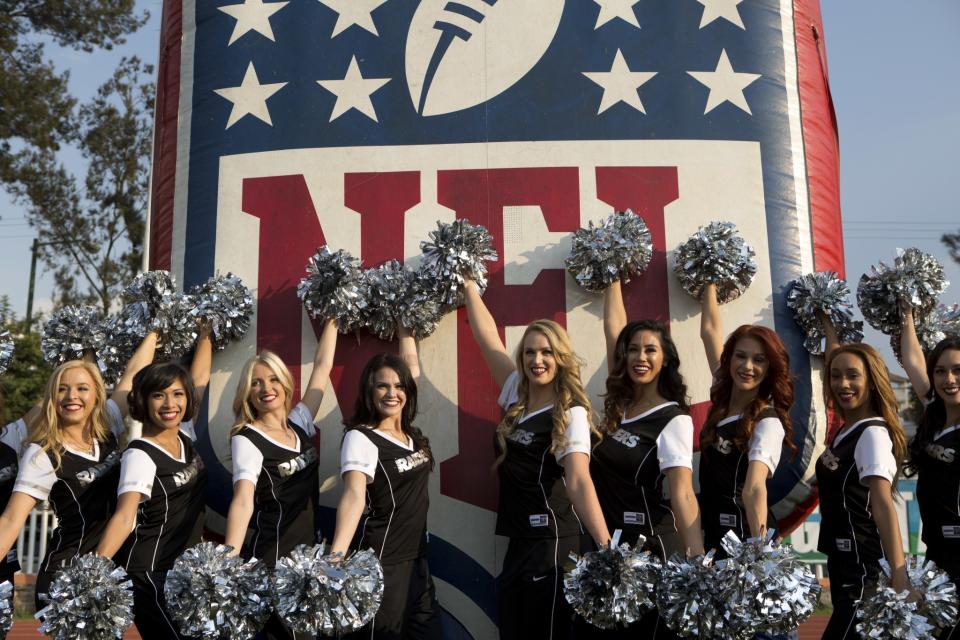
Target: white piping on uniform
x=166, y=517
x=556, y=537
x=156, y=599
x=393, y=509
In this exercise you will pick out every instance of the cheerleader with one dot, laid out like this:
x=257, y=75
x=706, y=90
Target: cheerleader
x=933, y=450
x=647, y=442
x=71, y=460
x=161, y=492
x=746, y=428
x=11, y=441
x=275, y=465
x=856, y=476
x=543, y=464
x=385, y=463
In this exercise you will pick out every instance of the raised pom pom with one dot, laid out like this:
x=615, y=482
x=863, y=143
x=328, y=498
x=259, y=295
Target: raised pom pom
x=225, y=304
x=455, y=252
x=334, y=288
x=915, y=278
x=715, y=254
x=72, y=331
x=617, y=248
x=826, y=293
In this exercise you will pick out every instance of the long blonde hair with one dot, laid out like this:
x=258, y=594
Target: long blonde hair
x=566, y=385
x=243, y=411
x=882, y=399
x=46, y=431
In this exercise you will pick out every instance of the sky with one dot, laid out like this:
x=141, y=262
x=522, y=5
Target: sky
x=893, y=73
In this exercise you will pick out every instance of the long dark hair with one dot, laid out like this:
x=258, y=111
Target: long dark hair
x=934, y=412
x=365, y=415
x=620, y=388
x=157, y=377
x=775, y=389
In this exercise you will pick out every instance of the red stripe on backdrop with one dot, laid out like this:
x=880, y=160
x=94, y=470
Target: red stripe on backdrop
x=165, y=136
x=820, y=137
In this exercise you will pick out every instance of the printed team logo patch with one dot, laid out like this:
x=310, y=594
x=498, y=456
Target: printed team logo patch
x=9, y=472
x=540, y=520
x=844, y=544
x=292, y=466
x=634, y=517
x=184, y=477
x=521, y=437
x=723, y=445
x=626, y=438
x=91, y=474
x=951, y=531
x=412, y=461
x=829, y=460
x=728, y=520
x=941, y=453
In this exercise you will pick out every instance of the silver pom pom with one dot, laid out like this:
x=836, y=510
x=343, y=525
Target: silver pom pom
x=619, y=247
x=91, y=599
x=123, y=336
x=386, y=287
x=887, y=614
x=765, y=587
x=716, y=254
x=454, y=252
x=70, y=332
x=687, y=598
x=915, y=277
x=949, y=319
x=152, y=303
x=420, y=311
x=334, y=289
x=614, y=586
x=6, y=608
x=212, y=595
x=825, y=292
x=226, y=305
x=6, y=350
x=314, y=595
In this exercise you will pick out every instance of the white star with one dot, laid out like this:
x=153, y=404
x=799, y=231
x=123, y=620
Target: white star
x=726, y=9
x=353, y=92
x=620, y=84
x=250, y=97
x=353, y=12
x=252, y=15
x=611, y=9
x=725, y=84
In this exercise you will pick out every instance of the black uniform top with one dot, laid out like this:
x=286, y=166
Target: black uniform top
x=287, y=483
x=10, y=442
x=628, y=467
x=723, y=472
x=170, y=515
x=938, y=492
x=848, y=533
x=395, y=525
x=533, y=500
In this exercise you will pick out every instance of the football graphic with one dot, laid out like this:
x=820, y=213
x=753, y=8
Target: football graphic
x=462, y=53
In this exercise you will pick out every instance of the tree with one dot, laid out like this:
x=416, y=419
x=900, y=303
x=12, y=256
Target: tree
x=98, y=227
x=23, y=384
x=952, y=240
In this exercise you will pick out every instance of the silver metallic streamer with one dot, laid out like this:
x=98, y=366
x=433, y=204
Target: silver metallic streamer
x=949, y=319
x=614, y=586
x=123, y=338
x=420, y=311
x=6, y=608
x=887, y=614
x=91, y=599
x=152, y=303
x=715, y=254
x=334, y=288
x=6, y=350
x=226, y=305
x=70, y=332
x=764, y=586
x=454, y=252
x=387, y=287
x=214, y=596
x=825, y=292
x=617, y=248
x=688, y=598
x=316, y=594
x=915, y=277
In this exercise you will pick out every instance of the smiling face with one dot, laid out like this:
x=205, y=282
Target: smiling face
x=166, y=408
x=748, y=364
x=539, y=360
x=76, y=397
x=388, y=394
x=644, y=357
x=946, y=378
x=849, y=384
x=266, y=390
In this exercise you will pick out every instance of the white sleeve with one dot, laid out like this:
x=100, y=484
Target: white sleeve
x=874, y=454
x=509, y=394
x=115, y=418
x=137, y=472
x=357, y=453
x=36, y=476
x=247, y=459
x=14, y=434
x=766, y=443
x=675, y=444
x=300, y=416
x=189, y=430
x=577, y=434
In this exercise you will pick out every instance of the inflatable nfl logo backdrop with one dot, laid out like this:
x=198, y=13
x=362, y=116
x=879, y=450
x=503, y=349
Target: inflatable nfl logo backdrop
x=283, y=126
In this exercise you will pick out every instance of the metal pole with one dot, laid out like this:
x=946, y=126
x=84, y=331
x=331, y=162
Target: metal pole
x=33, y=274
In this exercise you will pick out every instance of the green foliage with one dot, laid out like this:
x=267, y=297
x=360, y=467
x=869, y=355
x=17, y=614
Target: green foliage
x=22, y=385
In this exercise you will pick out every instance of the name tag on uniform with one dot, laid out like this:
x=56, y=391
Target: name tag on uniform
x=844, y=544
x=634, y=517
x=951, y=531
x=539, y=520
x=728, y=520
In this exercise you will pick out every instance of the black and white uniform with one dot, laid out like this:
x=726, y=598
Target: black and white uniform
x=848, y=533
x=628, y=469
x=82, y=493
x=938, y=496
x=11, y=440
x=287, y=482
x=169, y=520
x=723, y=472
x=534, y=512
x=395, y=527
